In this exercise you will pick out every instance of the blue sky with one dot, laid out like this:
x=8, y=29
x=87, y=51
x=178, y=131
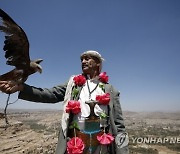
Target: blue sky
x=140, y=40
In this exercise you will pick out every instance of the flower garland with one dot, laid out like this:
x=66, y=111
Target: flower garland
x=73, y=106
x=76, y=145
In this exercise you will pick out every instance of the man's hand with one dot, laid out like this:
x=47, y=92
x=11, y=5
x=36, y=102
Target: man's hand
x=10, y=87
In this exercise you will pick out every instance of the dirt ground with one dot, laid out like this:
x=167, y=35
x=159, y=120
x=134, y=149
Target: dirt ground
x=30, y=132
x=36, y=132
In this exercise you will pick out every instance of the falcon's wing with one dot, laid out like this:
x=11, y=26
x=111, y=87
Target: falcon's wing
x=16, y=45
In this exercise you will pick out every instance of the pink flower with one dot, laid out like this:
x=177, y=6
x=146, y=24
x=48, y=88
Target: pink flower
x=105, y=138
x=75, y=146
x=73, y=106
x=79, y=80
x=103, y=99
x=103, y=77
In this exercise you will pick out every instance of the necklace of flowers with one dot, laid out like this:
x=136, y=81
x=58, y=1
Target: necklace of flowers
x=76, y=145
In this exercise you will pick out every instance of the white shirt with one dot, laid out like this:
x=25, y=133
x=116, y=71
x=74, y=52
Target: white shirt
x=85, y=110
x=86, y=96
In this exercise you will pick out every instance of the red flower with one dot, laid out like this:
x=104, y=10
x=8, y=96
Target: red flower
x=105, y=138
x=103, y=99
x=103, y=77
x=79, y=80
x=75, y=146
x=73, y=106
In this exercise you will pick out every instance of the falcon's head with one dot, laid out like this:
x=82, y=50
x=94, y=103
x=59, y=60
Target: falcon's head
x=35, y=66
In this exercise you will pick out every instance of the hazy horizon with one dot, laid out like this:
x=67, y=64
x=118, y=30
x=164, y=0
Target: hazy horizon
x=139, y=40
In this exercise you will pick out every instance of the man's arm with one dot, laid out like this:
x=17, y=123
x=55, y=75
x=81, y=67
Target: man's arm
x=34, y=94
x=44, y=95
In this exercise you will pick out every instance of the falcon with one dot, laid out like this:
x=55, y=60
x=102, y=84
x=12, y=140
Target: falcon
x=16, y=47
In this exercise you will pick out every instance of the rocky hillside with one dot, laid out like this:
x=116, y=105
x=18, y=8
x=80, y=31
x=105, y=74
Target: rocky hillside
x=29, y=132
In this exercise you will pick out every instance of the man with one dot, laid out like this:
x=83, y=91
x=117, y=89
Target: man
x=92, y=117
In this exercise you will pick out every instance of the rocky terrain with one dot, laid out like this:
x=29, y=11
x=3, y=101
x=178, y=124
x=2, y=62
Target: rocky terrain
x=35, y=132
x=29, y=132
x=153, y=132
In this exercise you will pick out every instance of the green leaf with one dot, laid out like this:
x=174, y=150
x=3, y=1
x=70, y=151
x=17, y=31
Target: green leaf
x=71, y=127
x=103, y=115
x=75, y=92
x=74, y=125
x=101, y=85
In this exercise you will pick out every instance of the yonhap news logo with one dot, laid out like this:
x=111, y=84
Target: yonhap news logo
x=155, y=140
x=122, y=140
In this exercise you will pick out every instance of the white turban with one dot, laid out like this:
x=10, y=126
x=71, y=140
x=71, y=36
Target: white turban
x=94, y=54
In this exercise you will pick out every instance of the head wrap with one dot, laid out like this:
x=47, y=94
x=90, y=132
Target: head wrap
x=94, y=54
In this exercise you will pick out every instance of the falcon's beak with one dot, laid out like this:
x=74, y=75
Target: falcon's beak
x=38, y=61
x=39, y=68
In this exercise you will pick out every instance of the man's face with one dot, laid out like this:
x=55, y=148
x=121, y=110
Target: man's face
x=89, y=64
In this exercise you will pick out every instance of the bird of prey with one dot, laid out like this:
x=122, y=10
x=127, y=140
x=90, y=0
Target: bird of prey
x=16, y=47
